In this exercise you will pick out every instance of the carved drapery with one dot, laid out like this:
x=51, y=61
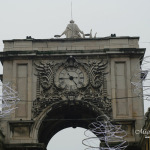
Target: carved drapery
x=94, y=92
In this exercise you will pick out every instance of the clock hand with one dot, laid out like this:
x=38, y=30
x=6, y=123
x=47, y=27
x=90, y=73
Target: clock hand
x=75, y=83
x=72, y=78
x=63, y=78
x=68, y=74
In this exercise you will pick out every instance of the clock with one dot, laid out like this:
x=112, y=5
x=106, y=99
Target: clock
x=71, y=78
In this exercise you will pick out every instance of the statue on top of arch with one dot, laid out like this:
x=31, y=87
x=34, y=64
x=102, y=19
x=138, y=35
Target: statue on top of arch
x=72, y=31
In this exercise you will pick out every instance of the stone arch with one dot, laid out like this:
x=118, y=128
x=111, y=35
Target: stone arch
x=64, y=114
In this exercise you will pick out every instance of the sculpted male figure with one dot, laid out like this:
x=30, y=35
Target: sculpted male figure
x=72, y=31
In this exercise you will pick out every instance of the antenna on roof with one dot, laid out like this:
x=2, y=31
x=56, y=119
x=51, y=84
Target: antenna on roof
x=71, y=10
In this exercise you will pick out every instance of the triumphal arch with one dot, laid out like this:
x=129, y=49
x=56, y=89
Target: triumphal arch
x=68, y=82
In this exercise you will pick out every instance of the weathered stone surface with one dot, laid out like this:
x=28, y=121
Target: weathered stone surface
x=34, y=67
x=1, y=141
x=70, y=44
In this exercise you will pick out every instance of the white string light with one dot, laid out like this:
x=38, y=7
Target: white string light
x=8, y=99
x=108, y=136
x=141, y=79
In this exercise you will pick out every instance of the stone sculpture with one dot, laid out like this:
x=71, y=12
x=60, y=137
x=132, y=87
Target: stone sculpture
x=72, y=31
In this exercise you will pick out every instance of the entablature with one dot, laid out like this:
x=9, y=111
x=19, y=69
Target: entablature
x=37, y=54
x=71, y=44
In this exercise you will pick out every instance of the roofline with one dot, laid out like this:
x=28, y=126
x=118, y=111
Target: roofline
x=70, y=39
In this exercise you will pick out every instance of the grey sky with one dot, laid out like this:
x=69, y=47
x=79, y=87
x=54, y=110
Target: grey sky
x=45, y=18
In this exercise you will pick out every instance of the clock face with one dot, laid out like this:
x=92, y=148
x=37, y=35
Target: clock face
x=71, y=78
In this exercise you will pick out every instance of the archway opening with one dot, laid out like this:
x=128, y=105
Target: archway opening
x=67, y=116
x=68, y=139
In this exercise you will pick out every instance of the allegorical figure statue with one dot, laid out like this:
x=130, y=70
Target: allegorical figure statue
x=72, y=31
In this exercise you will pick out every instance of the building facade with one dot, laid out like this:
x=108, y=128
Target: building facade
x=68, y=83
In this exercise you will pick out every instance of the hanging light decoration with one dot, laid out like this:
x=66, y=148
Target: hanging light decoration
x=108, y=136
x=141, y=79
x=8, y=99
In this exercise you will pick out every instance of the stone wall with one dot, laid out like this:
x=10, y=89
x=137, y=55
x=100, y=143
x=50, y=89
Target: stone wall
x=1, y=141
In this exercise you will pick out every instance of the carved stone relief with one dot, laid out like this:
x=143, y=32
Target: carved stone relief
x=71, y=80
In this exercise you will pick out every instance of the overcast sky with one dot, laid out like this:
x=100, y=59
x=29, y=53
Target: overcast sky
x=42, y=19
